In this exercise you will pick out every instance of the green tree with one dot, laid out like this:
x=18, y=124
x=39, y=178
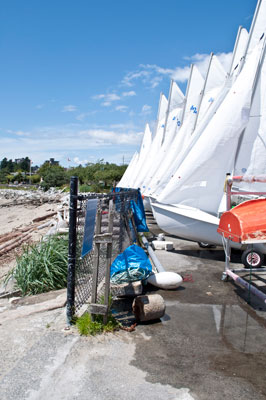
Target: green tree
x=3, y=176
x=10, y=166
x=53, y=176
x=3, y=163
x=25, y=164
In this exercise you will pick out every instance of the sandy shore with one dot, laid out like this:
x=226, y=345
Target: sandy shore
x=16, y=215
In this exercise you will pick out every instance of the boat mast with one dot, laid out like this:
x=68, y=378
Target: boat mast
x=203, y=92
x=187, y=91
x=168, y=110
x=234, y=51
x=254, y=20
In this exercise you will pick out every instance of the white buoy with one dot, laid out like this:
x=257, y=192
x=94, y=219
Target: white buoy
x=165, y=280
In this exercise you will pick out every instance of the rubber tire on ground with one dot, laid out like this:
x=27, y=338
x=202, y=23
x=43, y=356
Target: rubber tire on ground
x=250, y=254
x=204, y=245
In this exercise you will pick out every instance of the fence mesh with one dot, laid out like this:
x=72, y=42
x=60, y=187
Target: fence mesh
x=122, y=237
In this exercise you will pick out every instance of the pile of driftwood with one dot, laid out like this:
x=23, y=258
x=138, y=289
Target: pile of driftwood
x=14, y=239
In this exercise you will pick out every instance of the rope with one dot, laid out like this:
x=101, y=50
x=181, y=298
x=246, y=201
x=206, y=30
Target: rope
x=129, y=275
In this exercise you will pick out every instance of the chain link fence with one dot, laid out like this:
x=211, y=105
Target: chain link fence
x=114, y=232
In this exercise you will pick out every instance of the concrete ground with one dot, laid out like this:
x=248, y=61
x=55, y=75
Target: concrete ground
x=211, y=344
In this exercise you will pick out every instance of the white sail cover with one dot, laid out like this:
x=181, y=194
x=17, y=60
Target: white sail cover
x=198, y=182
x=154, y=150
x=176, y=98
x=240, y=48
x=193, y=96
x=172, y=125
x=191, y=101
x=144, y=151
x=244, y=160
x=162, y=109
x=156, y=142
x=214, y=83
x=126, y=178
x=258, y=25
x=255, y=164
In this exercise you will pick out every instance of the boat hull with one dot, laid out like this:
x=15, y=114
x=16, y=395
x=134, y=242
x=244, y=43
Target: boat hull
x=146, y=203
x=188, y=223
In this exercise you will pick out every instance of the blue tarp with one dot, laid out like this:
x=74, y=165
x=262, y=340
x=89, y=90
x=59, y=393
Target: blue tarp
x=138, y=211
x=132, y=265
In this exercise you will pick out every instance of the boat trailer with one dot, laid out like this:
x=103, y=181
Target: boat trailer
x=245, y=224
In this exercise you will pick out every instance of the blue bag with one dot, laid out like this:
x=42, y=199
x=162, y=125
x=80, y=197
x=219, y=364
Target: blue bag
x=131, y=265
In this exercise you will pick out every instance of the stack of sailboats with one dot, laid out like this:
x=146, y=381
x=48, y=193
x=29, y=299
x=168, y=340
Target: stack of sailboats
x=221, y=128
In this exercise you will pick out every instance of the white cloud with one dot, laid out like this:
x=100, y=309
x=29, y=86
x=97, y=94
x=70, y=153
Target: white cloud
x=129, y=94
x=69, y=108
x=83, y=116
x=78, y=161
x=121, y=108
x=55, y=141
x=225, y=59
x=107, y=97
x=18, y=133
x=39, y=106
x=21, y=133
x=146, y=109
x=151, y=74
x=132, y=76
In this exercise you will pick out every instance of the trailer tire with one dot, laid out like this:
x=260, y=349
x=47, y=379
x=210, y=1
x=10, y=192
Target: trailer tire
x=252, y=258
x=204, y=245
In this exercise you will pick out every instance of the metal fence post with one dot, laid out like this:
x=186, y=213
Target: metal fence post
x=72, y=249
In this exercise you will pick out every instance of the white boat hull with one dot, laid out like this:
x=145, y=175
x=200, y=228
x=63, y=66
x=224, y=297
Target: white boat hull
x=188, y=223
x=146, y=203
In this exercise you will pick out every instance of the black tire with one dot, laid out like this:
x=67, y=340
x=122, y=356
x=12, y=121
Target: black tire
x=204, y=245
x=252, y=258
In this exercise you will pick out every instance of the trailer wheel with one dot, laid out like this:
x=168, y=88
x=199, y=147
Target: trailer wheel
x=204, y=245
x=252, y=258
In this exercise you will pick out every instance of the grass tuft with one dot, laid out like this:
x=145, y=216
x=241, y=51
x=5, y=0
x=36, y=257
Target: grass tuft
x=88, y=327
x=42, y=267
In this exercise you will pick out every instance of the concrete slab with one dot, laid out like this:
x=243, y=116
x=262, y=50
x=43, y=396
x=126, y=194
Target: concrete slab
x=210, y=344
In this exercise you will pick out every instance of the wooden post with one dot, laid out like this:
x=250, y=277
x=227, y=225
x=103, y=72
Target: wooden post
x=96, y=259
x=108, y=260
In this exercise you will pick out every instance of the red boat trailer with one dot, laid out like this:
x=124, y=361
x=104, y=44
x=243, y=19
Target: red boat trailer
x=246, y=224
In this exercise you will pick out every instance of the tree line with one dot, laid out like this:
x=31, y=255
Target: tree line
x=96, y=177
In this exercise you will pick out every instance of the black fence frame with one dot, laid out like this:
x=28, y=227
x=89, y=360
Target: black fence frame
x=76, y=206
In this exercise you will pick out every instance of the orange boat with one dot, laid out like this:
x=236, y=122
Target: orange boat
x=245, y=223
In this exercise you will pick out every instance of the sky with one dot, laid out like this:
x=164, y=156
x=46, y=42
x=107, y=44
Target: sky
x=80, y=79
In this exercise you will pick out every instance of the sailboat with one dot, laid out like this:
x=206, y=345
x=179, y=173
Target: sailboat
x=187, y=121
x=188, y=205
x=166, y=134
x=126, y=178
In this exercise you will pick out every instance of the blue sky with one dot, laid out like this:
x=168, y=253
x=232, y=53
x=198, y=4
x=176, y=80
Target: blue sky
x=79, y=79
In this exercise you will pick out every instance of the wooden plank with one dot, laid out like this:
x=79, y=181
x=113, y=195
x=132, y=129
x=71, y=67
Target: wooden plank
x=101, y=309
x=103, y=238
